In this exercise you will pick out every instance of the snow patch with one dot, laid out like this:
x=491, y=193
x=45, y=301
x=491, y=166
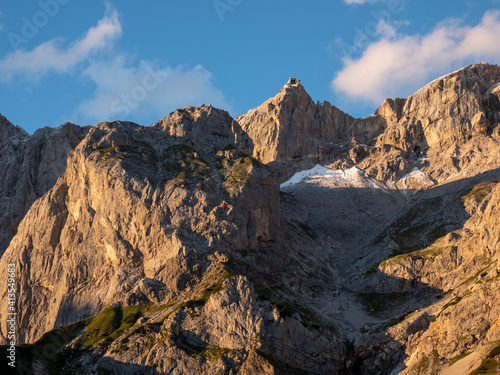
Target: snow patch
x=353, y=177
x=415, y=180
x=317, y=171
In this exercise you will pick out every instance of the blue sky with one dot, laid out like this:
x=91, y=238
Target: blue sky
x=91, y=61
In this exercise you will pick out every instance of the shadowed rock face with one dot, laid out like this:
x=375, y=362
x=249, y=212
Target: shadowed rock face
x=183, y=255
x=30, y=166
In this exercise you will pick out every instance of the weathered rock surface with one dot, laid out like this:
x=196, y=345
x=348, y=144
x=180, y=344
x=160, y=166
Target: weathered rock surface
x=290, y=126
x=30, y=166
x=448, y=129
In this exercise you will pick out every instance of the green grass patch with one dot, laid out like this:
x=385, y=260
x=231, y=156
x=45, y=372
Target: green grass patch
x=422, y=365
x=229, y=147
x=495, y=351
x=103, y=325
x=180, y=165
x=48, y=349
x=152, y=308
x=205, y=294
x=477, y=274
x=391, y=323
x=453, y=302
x=180, y=150
x=487, y=367
x=215, y=353
x=102, y=329
x=426, y=254
x=113, y=321
x=201, y=299
x=235, y=166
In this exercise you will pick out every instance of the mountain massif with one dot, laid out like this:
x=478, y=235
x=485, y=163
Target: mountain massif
x=293, y=239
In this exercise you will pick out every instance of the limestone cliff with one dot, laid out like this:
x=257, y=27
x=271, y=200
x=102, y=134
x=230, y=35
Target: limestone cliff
x=444, y=129
x=290, y=126
x=30, y=166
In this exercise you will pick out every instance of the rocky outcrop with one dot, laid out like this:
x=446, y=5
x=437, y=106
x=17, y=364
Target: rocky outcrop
x=291, y=126
x=461, y=325
x=437, y=129
x=31, y=165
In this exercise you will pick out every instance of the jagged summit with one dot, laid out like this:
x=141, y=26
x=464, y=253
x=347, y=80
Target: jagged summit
x=205, y=125
x=457, y=111
x=487, y=73
x=9, y=130
x=290, y=125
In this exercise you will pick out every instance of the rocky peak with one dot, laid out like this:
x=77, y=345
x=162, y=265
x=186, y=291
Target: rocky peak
x=205, y=127
x=9, y=130
x=140, y=205
x=448, y=106
x=290, y=125
x=449, y=113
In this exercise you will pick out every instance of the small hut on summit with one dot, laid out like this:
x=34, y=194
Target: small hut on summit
x=292, y=81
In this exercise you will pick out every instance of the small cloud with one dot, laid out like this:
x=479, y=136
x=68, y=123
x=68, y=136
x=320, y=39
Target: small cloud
x=397, y=62
x=50, y=56
x=145, y=90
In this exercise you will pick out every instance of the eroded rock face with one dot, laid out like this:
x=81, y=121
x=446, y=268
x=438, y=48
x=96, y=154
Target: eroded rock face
x=290, y=126
x=31, y=166
x=436, y=129
x=463, y=265
x=135, y=203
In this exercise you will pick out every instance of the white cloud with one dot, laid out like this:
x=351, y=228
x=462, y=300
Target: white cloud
x=125, y=89
x=146, y=90
x=397, y=63
x=50, y=56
